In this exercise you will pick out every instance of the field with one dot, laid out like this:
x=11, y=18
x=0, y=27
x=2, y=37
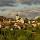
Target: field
x=16, y=34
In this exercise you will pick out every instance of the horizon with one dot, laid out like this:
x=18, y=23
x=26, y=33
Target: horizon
x=11, y=6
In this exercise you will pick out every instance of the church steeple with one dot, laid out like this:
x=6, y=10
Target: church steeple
x=16, y=14
x=17, y=17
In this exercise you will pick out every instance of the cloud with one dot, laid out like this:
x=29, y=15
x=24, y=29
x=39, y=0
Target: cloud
x=24, y=1
x=13, y=2
x=36, y=1
x=28, y=1
x=7, y=2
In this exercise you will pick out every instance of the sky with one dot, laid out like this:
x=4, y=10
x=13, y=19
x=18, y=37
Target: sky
x=15, y=2
x=6, y=5
x=20, y=3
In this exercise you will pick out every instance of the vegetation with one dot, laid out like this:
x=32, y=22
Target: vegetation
x=27, y=32
x=16, y=34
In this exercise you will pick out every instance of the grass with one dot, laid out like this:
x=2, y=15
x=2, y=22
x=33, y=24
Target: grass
x=16, y=34
x=7, y=34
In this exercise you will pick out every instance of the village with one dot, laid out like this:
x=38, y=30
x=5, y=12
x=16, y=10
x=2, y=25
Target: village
x=13, y=29
x=18, y=23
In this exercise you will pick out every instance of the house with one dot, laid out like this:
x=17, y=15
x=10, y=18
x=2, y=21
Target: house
x=29, y=21
x=34, y=25
x=21, y=20
x=17, y=26
x=38, y=23
x=0, y=24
